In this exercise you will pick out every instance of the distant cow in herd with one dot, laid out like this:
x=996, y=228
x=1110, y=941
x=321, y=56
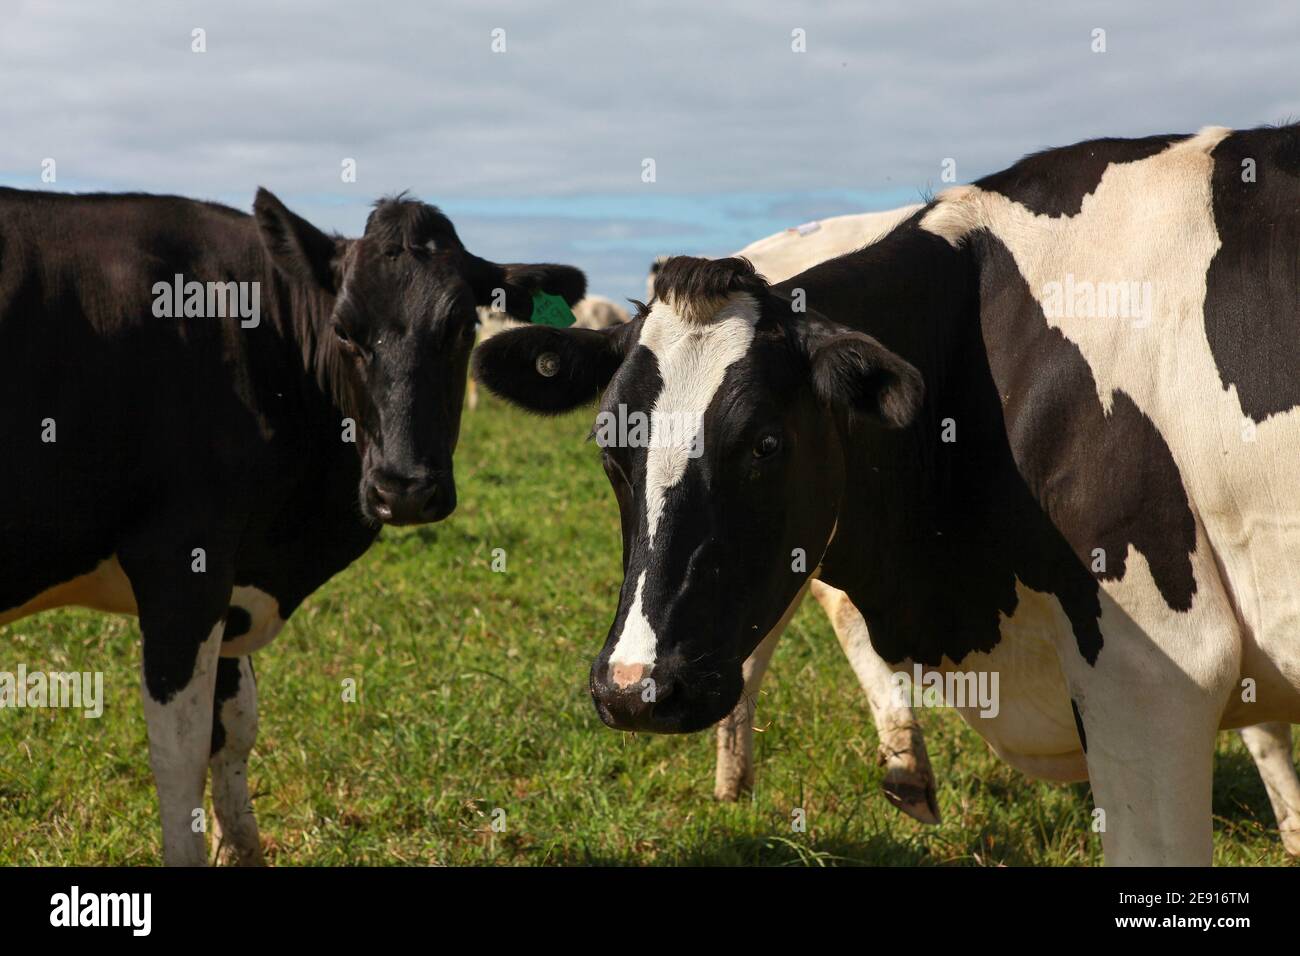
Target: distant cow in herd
x=208, y=472
x=1043, y=428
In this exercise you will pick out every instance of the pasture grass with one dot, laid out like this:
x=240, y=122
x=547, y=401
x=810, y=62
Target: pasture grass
x=473, y=696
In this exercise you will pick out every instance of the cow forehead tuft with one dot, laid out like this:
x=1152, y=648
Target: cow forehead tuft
x=697, y=289
x=405, y=221
x=699, y=327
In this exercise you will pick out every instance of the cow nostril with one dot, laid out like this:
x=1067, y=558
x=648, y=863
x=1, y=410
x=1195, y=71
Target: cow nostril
x=381, y=501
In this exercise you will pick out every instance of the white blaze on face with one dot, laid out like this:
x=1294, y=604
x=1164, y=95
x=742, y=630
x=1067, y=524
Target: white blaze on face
x=693, y=359
x=636, y=645
x=693, y=354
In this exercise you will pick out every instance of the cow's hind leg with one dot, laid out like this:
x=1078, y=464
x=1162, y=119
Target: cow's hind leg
x=909, y=780
x=234, y=730
x=1270, y=745
x=182, y=598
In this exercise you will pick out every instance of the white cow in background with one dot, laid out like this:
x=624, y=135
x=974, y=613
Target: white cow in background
x=909, y=779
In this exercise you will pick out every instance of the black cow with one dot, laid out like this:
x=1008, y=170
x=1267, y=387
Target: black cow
x=207, y=415
x=1046, y=428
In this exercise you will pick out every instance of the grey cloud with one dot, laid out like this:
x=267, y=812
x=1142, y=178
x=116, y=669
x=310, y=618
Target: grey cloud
x=587, y=89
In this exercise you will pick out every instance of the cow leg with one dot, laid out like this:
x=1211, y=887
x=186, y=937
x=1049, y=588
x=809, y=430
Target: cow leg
x=1148, y=708
x=909, y=780
x=182, y=619
x=180, y=732
x=1270, y=745
x=234, y=729
x=734, y=773
x=1150, y=755
x=735, y=770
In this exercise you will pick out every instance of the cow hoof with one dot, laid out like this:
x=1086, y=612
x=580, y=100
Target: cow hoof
x=229, y=856
x=730, y=791
x=1291, y=842
x=913, y=793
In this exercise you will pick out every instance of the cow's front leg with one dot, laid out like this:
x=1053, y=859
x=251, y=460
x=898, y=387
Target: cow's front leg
x=234, y=730
x=182, y=589
x=1270, y=745
x=734, y=773
x=178, y=676
x=909, y=779
x=1151, y=777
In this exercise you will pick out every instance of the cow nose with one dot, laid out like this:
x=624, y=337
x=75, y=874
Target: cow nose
x=624, y=676
x=628, y=693
x=398, y=502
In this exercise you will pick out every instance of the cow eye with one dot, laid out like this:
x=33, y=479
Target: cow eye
x=767, y=446
x=612, y=467
x=344, y=338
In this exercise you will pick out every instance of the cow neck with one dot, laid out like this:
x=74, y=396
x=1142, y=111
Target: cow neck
x=301, y=315
x=915, y=294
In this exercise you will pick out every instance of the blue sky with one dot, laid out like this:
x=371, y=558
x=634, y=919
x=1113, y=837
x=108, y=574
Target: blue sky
x=537, y=152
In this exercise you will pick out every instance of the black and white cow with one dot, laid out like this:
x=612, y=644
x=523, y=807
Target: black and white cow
x=1046, y=427
x=908, y=780
x=209, y=473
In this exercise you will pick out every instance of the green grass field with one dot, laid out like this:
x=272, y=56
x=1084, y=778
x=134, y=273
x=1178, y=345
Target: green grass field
x=473, y=696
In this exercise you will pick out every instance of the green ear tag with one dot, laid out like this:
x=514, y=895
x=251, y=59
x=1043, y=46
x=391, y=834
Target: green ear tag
x=551, y=310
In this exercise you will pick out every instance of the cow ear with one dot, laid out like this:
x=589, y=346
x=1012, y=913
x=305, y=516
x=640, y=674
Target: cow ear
x=299, y=250
x=510, y=288
x=853, y=371
x=568, y=283
x=550, y=370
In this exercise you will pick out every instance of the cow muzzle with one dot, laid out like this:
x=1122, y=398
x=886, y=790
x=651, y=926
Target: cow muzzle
x=398, y=500
x=667, y=698
x=631, y=696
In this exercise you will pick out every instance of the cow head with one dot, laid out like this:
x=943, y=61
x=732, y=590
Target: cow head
x=721, y=431
x=395, y=346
